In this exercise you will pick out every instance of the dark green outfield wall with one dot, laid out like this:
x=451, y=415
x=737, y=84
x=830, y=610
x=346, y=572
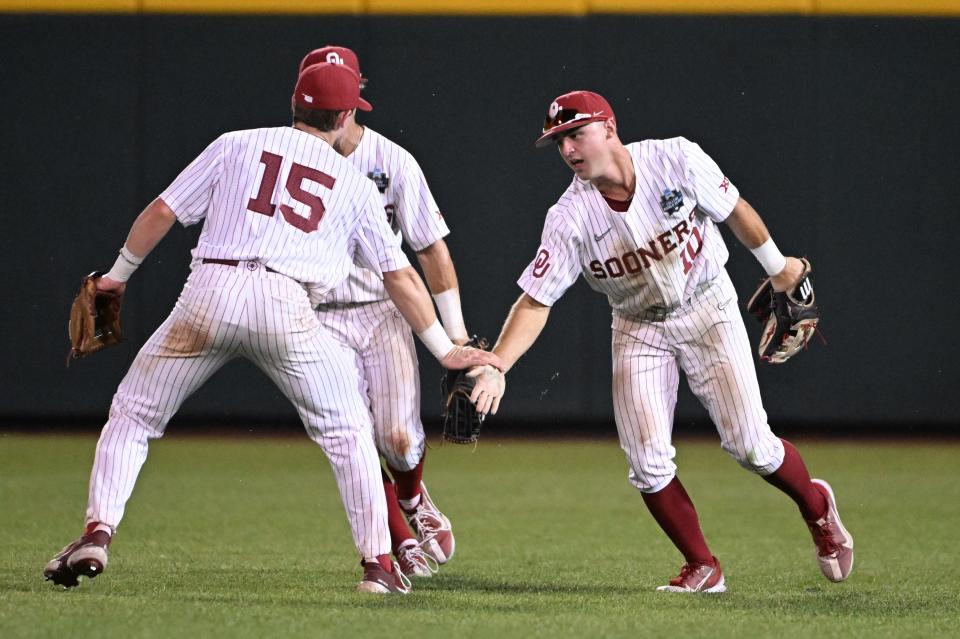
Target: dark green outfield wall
x=842, y=132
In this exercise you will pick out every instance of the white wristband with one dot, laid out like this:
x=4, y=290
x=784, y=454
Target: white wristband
x=436, y=340
x=448, y=303
x=770, y=257
x=125, y=265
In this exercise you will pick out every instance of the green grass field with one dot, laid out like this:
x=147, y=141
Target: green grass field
x=246, y=537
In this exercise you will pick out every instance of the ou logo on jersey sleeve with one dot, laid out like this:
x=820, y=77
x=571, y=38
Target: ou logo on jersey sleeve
x=542, y=263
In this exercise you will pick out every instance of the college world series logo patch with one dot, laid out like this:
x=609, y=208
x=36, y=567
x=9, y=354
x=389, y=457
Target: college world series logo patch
x=671, y=201
x=381, y=179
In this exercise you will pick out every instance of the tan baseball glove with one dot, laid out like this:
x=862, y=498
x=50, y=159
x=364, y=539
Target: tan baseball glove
x=94, y=319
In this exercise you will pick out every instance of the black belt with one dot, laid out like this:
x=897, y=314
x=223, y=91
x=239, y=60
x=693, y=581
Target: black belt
x=659, y=313
x=252, y=265
x=656, y=313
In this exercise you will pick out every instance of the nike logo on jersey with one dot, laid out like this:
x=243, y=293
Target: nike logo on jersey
x=597, y=238
x=723, y=305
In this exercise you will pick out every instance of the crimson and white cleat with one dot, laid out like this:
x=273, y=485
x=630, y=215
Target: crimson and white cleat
x=432, y=528
x=414, y=561
x=378, y=581
x=85, y=557
x=697, y=578
x=834, y=545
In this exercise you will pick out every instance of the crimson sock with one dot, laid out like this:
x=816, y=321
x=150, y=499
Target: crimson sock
x=674, y=511
x=408, y=481
x=792, y=478
x=90, y=527
x=385, y=562
x=399, y=529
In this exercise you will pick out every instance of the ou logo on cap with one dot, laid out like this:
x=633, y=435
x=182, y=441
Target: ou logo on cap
x=334, y=58
x=553, y=110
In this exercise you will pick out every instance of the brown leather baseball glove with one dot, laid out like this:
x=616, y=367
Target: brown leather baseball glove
x=94, y=319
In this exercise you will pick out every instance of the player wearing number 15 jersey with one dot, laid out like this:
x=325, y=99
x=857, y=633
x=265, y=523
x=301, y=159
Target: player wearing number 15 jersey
x=281, y=209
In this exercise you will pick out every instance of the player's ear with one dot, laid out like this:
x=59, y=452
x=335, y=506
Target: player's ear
x=342, y=118
x=610, y=127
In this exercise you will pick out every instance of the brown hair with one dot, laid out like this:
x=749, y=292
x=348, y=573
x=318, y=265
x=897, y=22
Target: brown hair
x=320, y=119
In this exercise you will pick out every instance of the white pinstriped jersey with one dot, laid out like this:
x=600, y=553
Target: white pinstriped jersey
x=658, y=251
x=285, y=198
x=407, y=203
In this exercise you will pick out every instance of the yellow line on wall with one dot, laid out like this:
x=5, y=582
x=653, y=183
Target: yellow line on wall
x=892, y=7
x=69, y=6
x=492, y=7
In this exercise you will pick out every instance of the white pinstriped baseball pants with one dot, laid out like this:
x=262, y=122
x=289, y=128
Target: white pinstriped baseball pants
x=225, y=312
x=386, y=355
x=708, y=341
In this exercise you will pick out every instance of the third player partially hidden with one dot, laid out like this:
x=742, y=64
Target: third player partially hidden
x=360, y=314
x=639, y=222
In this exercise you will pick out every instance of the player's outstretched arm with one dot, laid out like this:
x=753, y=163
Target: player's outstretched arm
x=150, y=227
x=524, y=324
x=749, y=228
x=153, y=223
x=441, y=279
x=407, y=291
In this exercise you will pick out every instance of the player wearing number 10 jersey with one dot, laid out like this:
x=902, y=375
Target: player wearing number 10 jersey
x=639, y=222
x=281, y=210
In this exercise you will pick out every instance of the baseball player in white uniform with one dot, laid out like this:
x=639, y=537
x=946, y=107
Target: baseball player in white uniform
x=639, y=222
x=360, y=314
x=281, y=208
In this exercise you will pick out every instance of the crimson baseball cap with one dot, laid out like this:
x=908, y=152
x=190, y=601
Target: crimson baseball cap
x=334, y=55
x=333, y=87
x=572, y=110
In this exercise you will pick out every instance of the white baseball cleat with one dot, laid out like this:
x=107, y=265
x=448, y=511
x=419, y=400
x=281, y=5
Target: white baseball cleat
x=834, y=545
x=414, y=561
x=432, y=528
x=697, y=578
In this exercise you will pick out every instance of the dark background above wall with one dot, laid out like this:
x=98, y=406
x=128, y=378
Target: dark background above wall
x=842, y=132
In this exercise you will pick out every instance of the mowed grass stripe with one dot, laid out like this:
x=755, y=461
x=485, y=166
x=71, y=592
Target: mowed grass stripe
x=246, y=537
